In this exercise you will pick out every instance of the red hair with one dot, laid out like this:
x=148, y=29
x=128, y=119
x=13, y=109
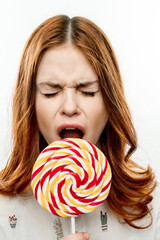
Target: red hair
x=132, y=185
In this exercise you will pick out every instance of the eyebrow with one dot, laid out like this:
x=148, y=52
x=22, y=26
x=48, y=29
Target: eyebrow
x=56, y=85
x=49, y=84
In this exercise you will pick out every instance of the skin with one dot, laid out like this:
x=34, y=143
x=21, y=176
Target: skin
x=77, y=236
x=68, y=92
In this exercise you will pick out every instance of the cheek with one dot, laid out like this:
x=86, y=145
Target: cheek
x=43, y=112
x=97, y=113
x=98, y=121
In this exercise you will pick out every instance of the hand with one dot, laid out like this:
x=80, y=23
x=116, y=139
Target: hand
x=77, y=236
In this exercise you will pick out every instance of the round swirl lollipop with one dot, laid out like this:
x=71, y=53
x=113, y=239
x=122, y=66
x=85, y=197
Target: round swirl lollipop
x=71, y=177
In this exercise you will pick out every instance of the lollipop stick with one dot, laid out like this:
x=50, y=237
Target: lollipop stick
x=73, y=227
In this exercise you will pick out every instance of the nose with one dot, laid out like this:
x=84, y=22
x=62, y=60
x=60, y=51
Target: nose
x=70, y=105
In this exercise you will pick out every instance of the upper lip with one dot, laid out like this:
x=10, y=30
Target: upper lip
x=65, y=126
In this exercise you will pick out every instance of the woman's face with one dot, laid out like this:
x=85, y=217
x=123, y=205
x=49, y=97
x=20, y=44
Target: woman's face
x=69, y=101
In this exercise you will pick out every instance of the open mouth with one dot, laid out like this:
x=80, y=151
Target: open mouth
x=71, y=133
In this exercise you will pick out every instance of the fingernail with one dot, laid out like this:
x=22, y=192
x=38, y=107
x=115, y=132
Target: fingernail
x=86, y=235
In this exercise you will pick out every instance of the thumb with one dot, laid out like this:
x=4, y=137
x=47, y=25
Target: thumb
x=86, y=235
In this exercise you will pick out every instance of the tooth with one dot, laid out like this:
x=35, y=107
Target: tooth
x=69, y=128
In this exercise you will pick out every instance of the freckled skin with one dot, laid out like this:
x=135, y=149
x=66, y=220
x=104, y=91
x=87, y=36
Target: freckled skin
x=68, y=92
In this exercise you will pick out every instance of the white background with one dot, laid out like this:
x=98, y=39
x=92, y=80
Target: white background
x=133, y=27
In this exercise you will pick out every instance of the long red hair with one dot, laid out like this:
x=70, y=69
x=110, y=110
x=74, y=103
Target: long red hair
x=131, y=189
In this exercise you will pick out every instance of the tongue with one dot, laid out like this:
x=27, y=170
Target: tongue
x=76, y=133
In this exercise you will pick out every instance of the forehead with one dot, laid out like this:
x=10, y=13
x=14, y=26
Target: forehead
x=65, y=63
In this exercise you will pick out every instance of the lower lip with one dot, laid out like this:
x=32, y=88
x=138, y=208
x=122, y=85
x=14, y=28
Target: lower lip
x=70, y=126
x=71, y=134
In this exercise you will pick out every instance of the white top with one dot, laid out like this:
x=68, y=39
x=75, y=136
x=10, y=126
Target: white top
x=33, y=222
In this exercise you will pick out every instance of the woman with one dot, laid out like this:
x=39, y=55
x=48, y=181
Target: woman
x=69, y=85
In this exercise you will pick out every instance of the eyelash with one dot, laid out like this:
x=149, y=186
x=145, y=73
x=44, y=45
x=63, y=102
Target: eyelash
x=49, y=95
x=88, y=94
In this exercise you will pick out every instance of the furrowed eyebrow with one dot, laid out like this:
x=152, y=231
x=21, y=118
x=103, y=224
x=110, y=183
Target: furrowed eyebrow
x=86, y=84
x=76, y=85
x=49, y=84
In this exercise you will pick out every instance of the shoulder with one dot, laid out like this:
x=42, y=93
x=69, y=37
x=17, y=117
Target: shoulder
x=21, y=215
x=156, y=211
x=5, y=201
x=156, y=199
x=156, y=196
x=7, y=212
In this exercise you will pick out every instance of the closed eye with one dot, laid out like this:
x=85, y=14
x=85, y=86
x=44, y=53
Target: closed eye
x=89, y=94
x=49, y=95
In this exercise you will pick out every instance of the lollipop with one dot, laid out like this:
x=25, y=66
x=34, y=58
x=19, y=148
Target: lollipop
x=71, y=177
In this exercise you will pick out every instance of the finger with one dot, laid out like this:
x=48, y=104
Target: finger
x=77, y=236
